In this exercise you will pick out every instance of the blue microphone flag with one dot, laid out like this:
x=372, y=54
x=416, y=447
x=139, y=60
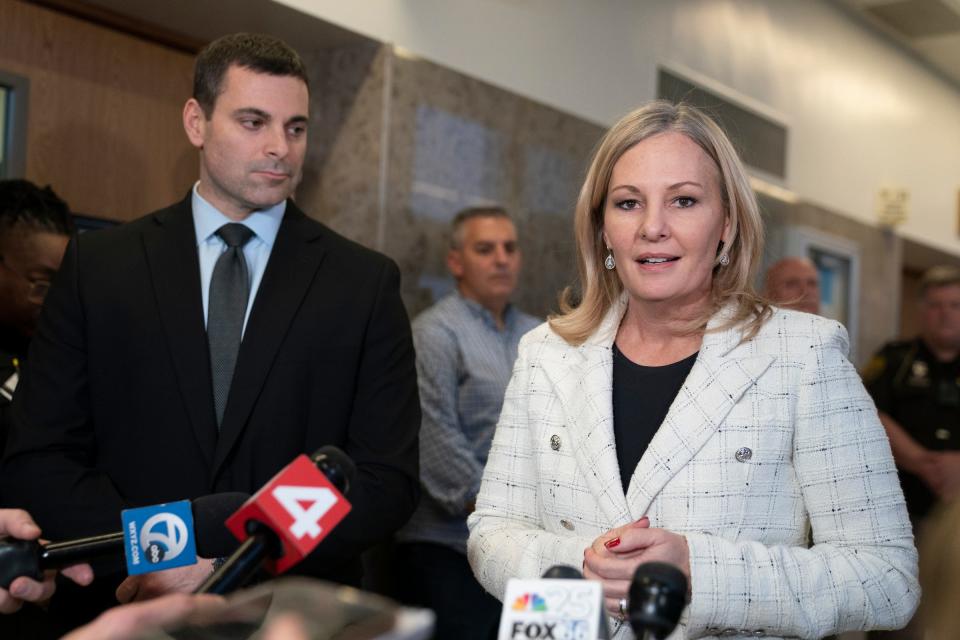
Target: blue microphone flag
x=159, y=537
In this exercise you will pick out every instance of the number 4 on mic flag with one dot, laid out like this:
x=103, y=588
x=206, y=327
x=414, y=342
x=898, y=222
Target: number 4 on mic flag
x=302, y=507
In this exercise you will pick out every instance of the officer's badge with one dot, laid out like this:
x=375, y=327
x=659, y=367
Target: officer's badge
x=874, y=369
x=919, y=372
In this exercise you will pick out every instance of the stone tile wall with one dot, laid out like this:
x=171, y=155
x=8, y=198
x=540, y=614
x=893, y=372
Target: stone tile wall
x=399, y=145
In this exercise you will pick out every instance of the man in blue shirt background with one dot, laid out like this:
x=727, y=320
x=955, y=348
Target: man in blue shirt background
x=466, y=345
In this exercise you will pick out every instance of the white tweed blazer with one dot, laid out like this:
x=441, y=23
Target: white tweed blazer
x=807, y=537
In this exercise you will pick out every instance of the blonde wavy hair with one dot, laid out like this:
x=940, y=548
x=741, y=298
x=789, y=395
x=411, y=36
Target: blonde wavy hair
x=600, y=288
x=939, y=615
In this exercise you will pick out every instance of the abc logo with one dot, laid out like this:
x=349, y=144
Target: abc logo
x=163, y=537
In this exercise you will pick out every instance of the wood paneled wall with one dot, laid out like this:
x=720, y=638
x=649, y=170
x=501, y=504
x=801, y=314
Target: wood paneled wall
x=104, y=124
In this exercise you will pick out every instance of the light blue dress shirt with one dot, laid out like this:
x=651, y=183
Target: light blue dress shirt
x=264, y=224
x=464, y=363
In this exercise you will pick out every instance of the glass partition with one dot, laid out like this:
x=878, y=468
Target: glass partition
x=14, y=93
x=4, y=93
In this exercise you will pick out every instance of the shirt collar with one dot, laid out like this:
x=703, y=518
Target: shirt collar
x=924, y=352
x=207, y=219
x=479, y=310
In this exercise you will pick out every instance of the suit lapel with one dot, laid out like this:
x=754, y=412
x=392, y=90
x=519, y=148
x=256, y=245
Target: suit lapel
x=171, y=251
x=290, y=270
x=584, y=385
x=715, y=384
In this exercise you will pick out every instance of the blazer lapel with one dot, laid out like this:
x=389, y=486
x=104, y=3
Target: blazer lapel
x=171, y=251
x=584, y=386
x=290, y=270
x=716, y=383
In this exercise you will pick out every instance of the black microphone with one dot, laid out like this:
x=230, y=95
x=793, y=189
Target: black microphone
x=262, y=524
x=658, y=595
x=30, y=558
x=562, y=572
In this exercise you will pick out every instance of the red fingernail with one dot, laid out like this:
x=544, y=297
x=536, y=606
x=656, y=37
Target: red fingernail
x=610, y=544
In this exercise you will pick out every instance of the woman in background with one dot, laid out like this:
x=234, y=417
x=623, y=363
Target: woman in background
x=672, y=415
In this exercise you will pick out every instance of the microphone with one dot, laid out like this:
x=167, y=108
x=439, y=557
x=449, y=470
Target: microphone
x=562, y=572
x=30, y=558
x=658, y=594
x=275, y=529
x=560, y=605
x=565, y=572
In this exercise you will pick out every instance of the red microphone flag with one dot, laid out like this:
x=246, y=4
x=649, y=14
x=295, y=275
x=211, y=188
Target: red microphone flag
x=300, y=505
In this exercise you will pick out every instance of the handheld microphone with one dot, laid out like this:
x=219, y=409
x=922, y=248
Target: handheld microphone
x=562, y=572
x=275, y=529
x=560, y=605
x=30, y=558
x=566, y=572
x=658, y=594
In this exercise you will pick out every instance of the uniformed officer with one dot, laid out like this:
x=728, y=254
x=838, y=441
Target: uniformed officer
x=916, y=386
x=35, y=226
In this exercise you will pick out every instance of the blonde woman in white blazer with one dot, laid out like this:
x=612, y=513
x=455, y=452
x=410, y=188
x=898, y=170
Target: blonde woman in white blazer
x=768, y=480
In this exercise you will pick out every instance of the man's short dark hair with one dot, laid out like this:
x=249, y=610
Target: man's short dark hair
x=254, y=51
x=25, y=206
x=465, y=215
x=939, y=276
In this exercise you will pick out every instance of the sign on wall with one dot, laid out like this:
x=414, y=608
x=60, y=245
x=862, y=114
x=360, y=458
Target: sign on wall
x=893, y=206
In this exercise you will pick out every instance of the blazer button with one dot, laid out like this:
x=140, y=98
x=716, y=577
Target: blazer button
x=743, y=454
x=566, y=524
x=555, y=442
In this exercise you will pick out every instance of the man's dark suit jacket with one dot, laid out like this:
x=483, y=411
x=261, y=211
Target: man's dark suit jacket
x=117, y=409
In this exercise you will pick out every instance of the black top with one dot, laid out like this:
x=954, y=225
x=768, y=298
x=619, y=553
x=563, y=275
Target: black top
x=909, y=384
x=641, y=398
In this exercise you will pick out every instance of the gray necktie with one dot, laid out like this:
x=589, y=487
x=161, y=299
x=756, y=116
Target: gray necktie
x=229, y=290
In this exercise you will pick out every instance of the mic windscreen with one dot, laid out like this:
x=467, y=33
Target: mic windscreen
x=562, y=572
x=658, y=595
x=337, y=466
x=210, y=513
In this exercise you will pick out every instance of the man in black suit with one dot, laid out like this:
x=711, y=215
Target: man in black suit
x=141, y=390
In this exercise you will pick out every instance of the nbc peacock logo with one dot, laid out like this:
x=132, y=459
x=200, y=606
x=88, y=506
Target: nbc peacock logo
x=530, y=602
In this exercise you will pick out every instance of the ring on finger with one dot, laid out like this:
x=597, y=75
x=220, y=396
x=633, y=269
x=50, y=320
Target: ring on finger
x=622, y=605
